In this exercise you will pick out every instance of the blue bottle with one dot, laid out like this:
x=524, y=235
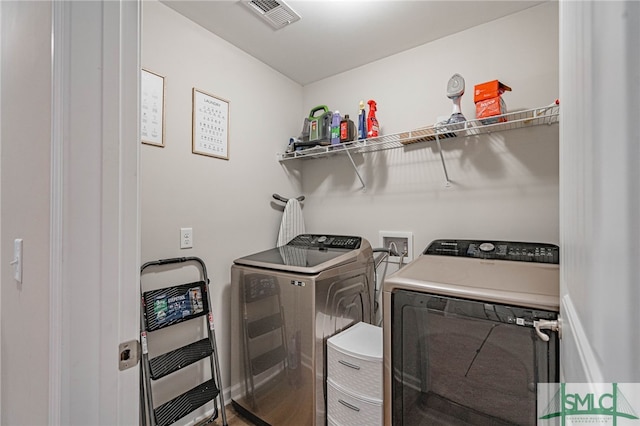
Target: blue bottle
x=362, y=122
x=335, y=128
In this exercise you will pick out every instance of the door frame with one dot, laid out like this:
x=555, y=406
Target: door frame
x=111, y=199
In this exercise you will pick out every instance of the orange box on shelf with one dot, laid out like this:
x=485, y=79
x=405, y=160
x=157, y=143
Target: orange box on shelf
x=490, y=108
x=489, y=102
x=490, y=89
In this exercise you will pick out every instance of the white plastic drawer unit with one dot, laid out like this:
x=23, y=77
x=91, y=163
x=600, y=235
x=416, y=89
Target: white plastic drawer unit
x=354, y=360
x=354, y=376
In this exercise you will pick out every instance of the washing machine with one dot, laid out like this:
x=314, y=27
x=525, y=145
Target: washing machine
x=470, y=328
x=286, y=302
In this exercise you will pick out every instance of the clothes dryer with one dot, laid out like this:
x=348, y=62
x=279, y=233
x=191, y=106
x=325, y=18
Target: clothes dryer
x=286, y=302
x=470, y=329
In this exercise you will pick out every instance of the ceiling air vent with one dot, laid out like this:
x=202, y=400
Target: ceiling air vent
x=276, y=13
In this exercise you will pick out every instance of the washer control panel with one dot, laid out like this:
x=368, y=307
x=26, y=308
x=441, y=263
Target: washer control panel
x=501, y=250
x=326, y=241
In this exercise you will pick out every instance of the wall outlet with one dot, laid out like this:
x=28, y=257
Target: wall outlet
x=186, y=238
x=402, y=242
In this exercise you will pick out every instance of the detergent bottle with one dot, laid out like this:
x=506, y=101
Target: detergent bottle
x=372, y=122
x=347, y=129
x=362, y=122
x=335, y=128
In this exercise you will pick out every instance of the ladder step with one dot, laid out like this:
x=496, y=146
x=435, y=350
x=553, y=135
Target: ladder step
x=264, y=325
x=177, y=408
x=179, y=358
x=267, y=360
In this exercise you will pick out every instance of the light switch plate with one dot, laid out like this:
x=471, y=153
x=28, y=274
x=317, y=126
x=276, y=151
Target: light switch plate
x=186, y=238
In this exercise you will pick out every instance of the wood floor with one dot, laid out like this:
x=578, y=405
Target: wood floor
x=280, y=401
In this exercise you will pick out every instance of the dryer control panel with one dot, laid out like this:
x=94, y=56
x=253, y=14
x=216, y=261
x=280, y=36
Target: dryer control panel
x=326, y=241
x=501, y=250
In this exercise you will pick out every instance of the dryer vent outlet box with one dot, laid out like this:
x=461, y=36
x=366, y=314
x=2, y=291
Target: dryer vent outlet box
x=277, y=13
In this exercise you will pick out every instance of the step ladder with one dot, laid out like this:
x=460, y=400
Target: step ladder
x=165, y=307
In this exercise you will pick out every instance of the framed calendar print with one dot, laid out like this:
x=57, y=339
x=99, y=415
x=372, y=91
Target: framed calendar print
x=210, y=125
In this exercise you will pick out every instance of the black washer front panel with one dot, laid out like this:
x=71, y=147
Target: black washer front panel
x=497, y=250
x=326, y=241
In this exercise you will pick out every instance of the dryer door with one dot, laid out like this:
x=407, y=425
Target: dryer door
x=459, y=361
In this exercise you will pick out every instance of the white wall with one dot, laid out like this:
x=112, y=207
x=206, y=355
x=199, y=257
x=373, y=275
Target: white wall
x=25, y=164
x=504, y=186
x=600, y=191
x=227, y=203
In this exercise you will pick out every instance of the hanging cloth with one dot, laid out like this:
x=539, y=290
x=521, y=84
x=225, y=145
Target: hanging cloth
x=292, y=223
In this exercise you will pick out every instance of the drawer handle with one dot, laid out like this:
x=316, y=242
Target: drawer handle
x=346, y=404
x=348, y=364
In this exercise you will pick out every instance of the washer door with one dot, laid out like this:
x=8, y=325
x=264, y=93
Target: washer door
x=458, y=361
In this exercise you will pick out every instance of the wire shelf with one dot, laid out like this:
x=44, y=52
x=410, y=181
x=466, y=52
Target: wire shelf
x=438, y=132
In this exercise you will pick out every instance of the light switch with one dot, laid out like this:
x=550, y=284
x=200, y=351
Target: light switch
x=186, y=238
x=17, y=259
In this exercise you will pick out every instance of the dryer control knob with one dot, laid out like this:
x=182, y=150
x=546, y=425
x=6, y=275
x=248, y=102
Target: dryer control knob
x=487, y=247
x=322, y=239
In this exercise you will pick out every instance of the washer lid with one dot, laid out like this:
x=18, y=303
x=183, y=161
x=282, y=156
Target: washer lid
x=307, y=254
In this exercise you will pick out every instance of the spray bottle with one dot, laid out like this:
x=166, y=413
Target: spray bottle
x=362, y=122
x=372, y=121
